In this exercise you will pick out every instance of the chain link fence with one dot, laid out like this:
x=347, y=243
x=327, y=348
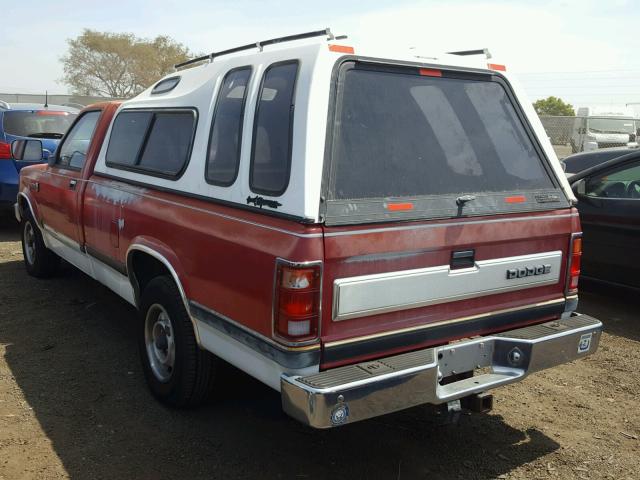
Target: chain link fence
x=577, y=134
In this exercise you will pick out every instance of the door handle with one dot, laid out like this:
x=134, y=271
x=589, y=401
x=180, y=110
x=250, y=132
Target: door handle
x=72, y=184
x=462, y=259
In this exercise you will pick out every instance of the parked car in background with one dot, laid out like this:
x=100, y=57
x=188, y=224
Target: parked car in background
x=579, y=162
x=26, y=120
x=597, y=128
x=609, y=204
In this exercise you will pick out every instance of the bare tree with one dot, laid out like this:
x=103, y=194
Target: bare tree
x=118, y=64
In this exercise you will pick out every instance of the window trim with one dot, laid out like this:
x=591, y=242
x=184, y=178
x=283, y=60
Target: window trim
x=240, y=131
x=147, y=171
x=260, y=191
x=81, y=115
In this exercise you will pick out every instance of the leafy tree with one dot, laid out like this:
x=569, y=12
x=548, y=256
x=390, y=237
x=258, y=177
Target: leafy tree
x=554, y=106
x=118, y=64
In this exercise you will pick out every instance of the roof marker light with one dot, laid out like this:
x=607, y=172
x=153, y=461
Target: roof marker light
x=496, y=66
x=341, y=49
x=430, y=72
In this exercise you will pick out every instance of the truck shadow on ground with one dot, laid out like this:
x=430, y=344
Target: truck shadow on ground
x=70, y=344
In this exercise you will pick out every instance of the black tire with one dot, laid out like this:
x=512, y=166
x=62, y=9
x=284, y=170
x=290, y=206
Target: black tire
x=39, y=261
x=188, y=382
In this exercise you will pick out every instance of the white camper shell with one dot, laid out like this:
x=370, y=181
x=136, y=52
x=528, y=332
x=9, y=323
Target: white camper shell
x=317, y=60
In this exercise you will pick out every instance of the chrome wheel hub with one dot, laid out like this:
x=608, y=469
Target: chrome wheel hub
x=159, y=342
x=29, y=243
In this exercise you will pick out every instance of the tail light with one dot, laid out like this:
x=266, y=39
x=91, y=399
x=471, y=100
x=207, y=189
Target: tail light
x=5, y=151
x=296, y=307
x=575, y=255
x=52, y=112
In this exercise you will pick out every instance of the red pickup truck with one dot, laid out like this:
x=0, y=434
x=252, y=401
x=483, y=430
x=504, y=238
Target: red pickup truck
x=361, y=234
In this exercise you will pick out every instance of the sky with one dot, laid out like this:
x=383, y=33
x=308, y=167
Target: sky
x=585, y=51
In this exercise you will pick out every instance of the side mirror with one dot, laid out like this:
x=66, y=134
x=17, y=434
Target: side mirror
x=27, y=150
x=580, y=187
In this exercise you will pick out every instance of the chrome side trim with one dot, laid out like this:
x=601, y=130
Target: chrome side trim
x=69, y=242
x=367, y=295
x=527, y=218
x=418, y=328
x=112, y=279
x=356, y=392
x=176, y=279
x=248, y=359
x=33, y=215
x=570, y=306
x=291, y=357
x=16, y=212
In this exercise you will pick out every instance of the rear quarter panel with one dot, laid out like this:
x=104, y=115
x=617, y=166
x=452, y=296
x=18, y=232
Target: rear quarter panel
x=224, y=257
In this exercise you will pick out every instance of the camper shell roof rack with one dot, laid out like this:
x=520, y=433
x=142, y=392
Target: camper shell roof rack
x=466, y=53
x=259, y=45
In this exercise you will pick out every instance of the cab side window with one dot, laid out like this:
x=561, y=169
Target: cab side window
x=622, y=183
x=152, y=142
x=73, y=150
x=272, y=130
x=223, y=158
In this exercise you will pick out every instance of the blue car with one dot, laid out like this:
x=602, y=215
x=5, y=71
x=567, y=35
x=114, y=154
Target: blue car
x=25, y=120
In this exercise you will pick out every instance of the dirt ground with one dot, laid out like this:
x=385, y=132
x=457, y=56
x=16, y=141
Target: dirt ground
x=73, y=404
x=562, y=151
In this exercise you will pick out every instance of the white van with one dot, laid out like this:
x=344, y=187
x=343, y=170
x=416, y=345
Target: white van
x=604, y=128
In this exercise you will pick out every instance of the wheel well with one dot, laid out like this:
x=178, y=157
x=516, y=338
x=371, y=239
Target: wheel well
x=143, y=268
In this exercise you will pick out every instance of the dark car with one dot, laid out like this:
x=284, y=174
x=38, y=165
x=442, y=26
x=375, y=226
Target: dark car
x=609, y=204
x=581, y=161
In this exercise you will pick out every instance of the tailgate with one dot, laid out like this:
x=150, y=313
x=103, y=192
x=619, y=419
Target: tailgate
x=401, y=286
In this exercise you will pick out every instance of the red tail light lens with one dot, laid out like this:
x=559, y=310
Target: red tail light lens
x=5, y=151
x=52, y=112
x=574, y=263
x=296, y=309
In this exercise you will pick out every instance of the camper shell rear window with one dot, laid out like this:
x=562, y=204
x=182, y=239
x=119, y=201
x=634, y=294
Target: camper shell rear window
x=407, y=143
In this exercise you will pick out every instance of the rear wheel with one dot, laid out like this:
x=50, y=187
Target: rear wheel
x=38, y=259
x=177, y=371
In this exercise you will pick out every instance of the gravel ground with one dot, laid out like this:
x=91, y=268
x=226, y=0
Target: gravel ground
x=73, y=404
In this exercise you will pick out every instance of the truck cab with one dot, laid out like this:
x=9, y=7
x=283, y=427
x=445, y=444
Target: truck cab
x=362, y=231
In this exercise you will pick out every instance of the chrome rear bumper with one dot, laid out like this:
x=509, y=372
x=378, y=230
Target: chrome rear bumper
x=356, y=392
